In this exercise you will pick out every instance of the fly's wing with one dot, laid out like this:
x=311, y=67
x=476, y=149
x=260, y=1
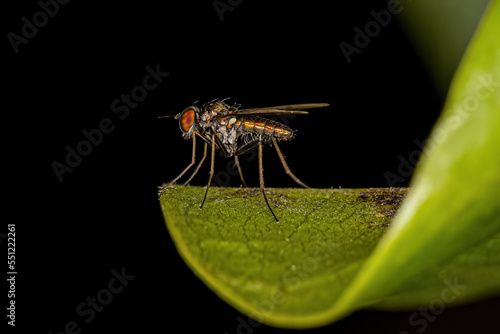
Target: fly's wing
x=280, y=110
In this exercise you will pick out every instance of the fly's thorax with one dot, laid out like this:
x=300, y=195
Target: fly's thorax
x=214, y=111
x=217, y=108
x=226, y=130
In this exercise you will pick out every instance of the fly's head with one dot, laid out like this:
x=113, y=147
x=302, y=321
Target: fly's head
x=188, y=120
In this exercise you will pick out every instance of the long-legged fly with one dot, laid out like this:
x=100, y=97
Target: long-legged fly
x=235, y=131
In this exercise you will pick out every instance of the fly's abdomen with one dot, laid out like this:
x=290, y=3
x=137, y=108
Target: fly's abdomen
x=264, y=127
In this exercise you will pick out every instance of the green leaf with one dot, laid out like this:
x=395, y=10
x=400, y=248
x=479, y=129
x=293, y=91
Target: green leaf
x=278, y=272
x=330, y=254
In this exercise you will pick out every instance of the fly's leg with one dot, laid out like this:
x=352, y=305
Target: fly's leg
x=243, y=149
x=199, y=165
x=237, y=161
x=211, y=171
x=283, y=162
x=261, y=177
x=193, y=159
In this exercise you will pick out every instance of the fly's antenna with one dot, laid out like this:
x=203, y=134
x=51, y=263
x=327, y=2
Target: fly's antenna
x=176, y=116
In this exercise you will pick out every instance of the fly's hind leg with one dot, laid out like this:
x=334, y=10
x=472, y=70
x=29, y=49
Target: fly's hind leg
x=261, y=178
x=285, y=165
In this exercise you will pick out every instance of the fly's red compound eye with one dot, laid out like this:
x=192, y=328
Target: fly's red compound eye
x=187, y=119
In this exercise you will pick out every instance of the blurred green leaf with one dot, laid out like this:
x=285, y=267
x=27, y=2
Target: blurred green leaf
x=441, y=31
x=453, y=208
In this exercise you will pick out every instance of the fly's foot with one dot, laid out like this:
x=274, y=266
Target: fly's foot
x=163, y=187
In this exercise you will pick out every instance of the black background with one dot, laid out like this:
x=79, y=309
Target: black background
x=105, y=214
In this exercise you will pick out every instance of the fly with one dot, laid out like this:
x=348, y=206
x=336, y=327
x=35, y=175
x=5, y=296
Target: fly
x=235, y=131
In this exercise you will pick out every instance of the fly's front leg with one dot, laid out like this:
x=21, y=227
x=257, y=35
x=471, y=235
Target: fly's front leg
x=199, y=164
x=211, y=171
x=193, y=159
x=285, y=165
